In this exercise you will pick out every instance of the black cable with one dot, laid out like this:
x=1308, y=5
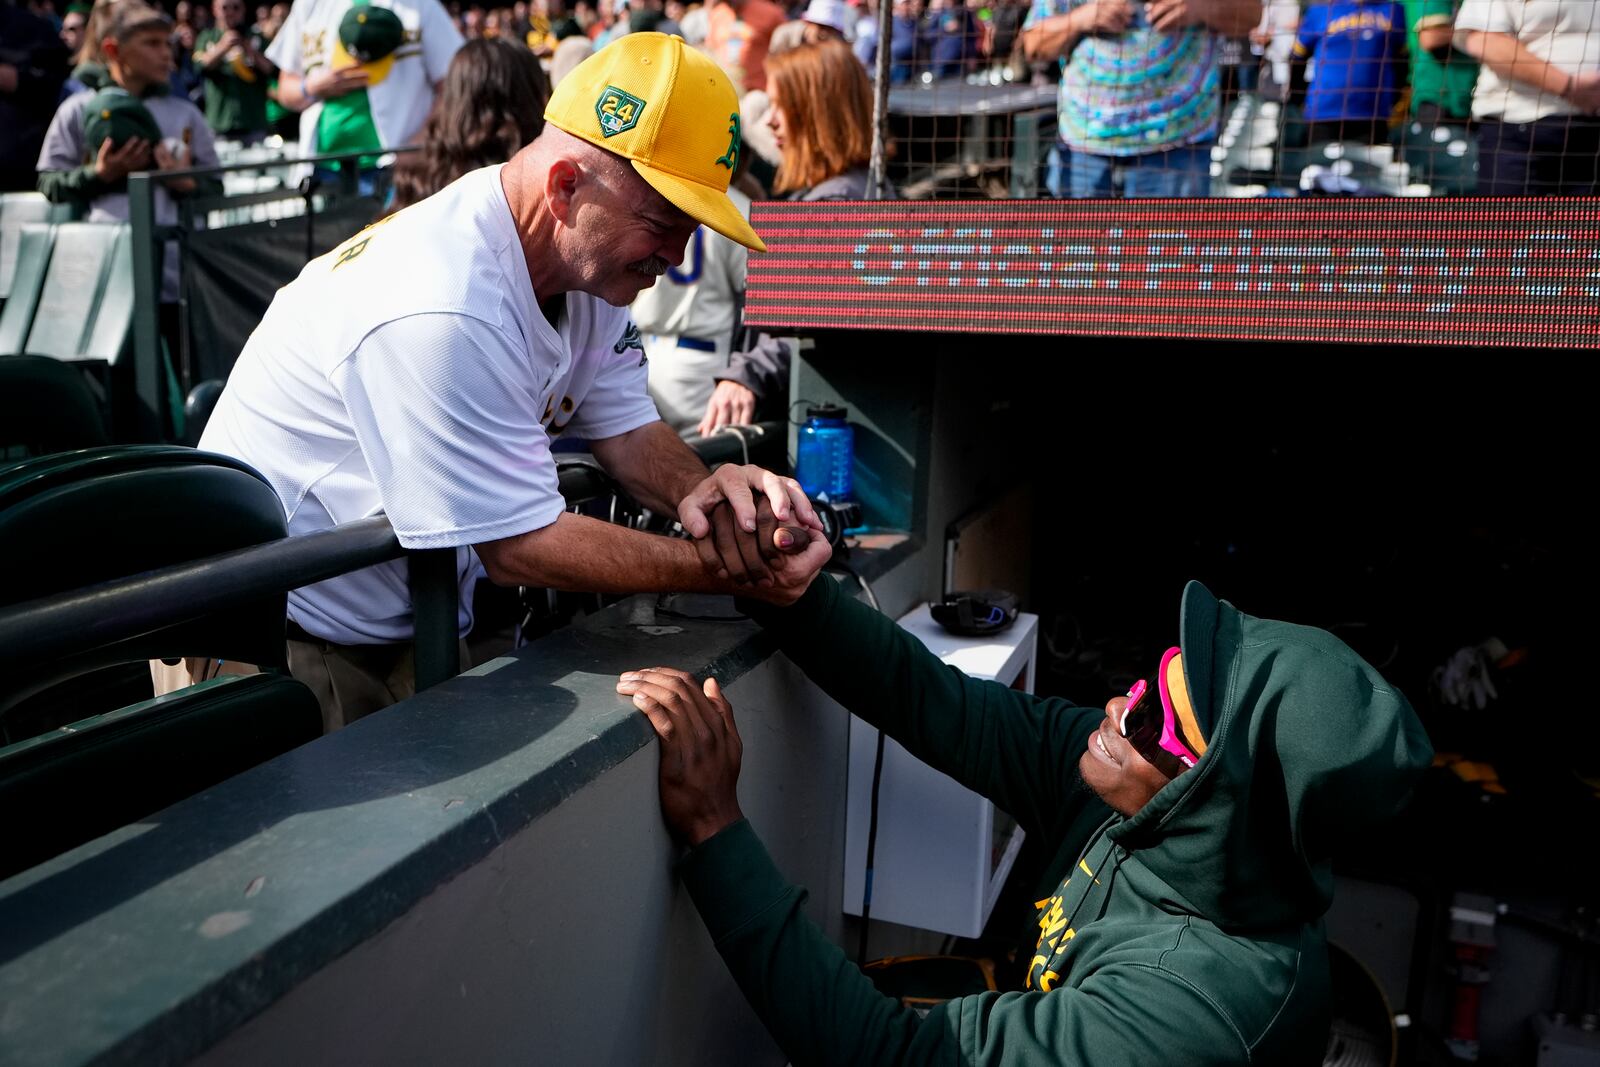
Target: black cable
x=877, y=783
x=872, y=848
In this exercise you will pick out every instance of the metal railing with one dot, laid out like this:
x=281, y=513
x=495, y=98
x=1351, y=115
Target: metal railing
x=131, y=607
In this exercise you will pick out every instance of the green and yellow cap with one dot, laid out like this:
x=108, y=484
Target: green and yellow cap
x=669, y=110
x=368, y=38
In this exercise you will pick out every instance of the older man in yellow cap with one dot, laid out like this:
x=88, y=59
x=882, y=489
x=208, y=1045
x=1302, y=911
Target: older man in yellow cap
x=422, y=369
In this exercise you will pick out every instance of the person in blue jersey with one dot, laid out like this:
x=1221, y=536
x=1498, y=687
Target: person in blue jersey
x=1359, y=49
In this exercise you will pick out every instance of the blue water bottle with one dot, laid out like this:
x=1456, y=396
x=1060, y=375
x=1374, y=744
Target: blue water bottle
x=826, y=454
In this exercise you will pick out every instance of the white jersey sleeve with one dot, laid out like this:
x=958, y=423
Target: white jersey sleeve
x=284, y=51
x=443, y=408
x=1488, y=16
x=618, y=400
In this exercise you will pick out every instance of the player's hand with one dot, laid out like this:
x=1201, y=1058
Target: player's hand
x=1584, y=92
x=700, y=750
x=731, y=404
x=114, y=164
x=806, y=552
x=727, y=536
x=1170, y=16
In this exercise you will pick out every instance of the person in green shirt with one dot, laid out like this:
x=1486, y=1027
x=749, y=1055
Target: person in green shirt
x=1191, y=821
x=1441, y=78
x=237, y=73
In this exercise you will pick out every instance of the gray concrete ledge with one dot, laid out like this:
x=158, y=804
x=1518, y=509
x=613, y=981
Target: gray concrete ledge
x=152, y=943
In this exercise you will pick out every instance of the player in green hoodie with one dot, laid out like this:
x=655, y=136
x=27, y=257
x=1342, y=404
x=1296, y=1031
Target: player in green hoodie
x=1191, y=874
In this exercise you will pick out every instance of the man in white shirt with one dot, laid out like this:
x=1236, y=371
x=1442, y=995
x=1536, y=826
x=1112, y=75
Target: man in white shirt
x=1537, y=100
x=355, y=99
x=421, y=369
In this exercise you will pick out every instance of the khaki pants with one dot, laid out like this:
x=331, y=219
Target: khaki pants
x=350, y=681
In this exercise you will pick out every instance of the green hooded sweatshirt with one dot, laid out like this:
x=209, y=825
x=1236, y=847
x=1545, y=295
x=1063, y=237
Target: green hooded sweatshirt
x=1188, y=934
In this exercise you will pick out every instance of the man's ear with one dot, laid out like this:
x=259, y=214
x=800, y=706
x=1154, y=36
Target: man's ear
x=110, y=49
x=561, y=189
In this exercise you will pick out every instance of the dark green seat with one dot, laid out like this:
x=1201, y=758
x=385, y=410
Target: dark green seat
x=73, y=785
x=46, y=406
x=79, y=767
x=79, y=518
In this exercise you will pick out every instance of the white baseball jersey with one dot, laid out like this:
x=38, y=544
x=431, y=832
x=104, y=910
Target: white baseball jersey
x=1564, y=33
x=400, y=102
x=410, y=372
x=687, y=320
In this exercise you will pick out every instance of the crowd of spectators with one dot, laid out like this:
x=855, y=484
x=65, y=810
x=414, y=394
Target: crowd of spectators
x=1144, y=85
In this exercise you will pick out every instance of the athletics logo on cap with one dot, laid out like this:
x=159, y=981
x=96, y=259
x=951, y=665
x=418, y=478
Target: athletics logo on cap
x=618, y=111
x=667, y=101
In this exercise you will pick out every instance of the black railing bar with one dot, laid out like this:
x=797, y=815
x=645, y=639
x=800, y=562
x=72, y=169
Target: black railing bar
x=731, y=444
x=128, y=607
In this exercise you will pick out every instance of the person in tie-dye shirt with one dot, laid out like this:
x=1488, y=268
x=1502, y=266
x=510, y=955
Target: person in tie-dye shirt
x=1139, y=88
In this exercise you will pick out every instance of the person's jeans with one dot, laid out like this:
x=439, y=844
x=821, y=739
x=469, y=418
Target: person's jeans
x=1058, y=170
x=1182, y=172
x=1555, y=156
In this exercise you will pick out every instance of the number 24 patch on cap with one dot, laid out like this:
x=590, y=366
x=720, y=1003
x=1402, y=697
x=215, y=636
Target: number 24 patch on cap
x=618, y=111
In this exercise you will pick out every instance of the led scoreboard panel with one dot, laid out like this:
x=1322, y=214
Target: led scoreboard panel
x=1518, y=272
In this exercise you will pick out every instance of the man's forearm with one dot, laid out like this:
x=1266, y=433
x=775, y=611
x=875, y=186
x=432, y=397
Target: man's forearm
x=587, y=555
x=1233, y=18
x=1051, y=38
x=1509, y=58
x=653, y=464
x=292, y=92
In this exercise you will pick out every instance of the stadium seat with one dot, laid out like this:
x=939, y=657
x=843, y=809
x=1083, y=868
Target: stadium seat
x=79, y=518
x=90, y=279
x=46, y=406
x=16, y=211
x=94, y=515
x=197, y=407
x=30, y=261
x=78, y=783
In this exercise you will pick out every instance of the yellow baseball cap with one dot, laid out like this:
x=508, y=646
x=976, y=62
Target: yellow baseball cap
x=672, y=112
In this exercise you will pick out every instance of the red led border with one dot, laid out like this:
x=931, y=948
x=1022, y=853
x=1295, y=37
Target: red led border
x=1513, y=272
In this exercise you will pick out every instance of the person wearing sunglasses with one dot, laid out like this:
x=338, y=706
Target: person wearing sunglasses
x=1191, y=822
